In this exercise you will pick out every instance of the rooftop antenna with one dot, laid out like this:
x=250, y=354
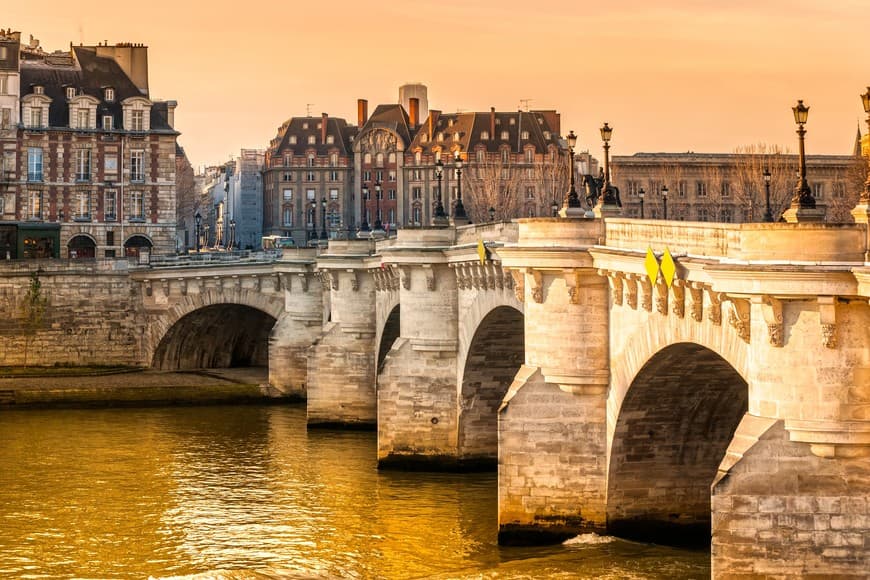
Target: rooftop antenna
x=524, y=104
x=308, y=109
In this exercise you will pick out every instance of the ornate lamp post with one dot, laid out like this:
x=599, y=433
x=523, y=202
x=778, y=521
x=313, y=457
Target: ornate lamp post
x=439, y=219
x=459, y=214
x=197, y=224
x=607, y=204
x=555, y=208
x=803, y=195
x=312, y=220
x=323, y=234
x=364, y=227
x=865, y=195
x=378, y=191
x=571, y=197
x=665, y=200
x=768, y=214
x=641, y=194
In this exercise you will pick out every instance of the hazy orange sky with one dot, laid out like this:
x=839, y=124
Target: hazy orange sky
x=671, y=75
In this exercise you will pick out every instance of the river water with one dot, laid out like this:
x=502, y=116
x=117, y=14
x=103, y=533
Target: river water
x=247, y=492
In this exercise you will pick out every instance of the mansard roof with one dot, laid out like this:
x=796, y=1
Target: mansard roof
x=303, y=127
x=88, y=74
x=473, y=126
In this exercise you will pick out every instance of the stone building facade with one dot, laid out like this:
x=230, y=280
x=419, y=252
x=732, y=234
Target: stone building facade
x=93, y=171
x=730, y=187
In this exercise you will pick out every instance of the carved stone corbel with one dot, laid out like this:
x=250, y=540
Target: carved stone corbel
x=519, y=281
x=714, y=311
x=646, y=300
x=697, y=293
x=738, y=317
x=490, y=275
x=405, y=275
x=678, y=304
x=148, y=290
x=631, y=291
x=326, y=280
x=303, y=281
x=828, y=320
x=572, y=282
x=499, y=277
x=477, y=281
x=537, y=285
x=616, y=287
x=662, y=298
x=164, y=284
x=182, y=284
x=771, y=310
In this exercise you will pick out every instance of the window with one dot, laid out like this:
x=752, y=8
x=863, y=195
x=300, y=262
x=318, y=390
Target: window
x=310, y=176
x=703, y=214
x=110, y=210
x=36, y=117
x=379, y=160
x=391, y=158
x=4, y=84
x=288, y=160
x=418, y=157
x=108, y=122
x=818, y=190
x=391, y=194
x=333, y=194
x=505, y=173
x=484, y=135
x=334, y=176
x=311, y=140
x=701, y=190
x=367, y=175
x=82, y=207
x=110, y=238
x=83, y=164
x=109, y=94
x=416, y=193
x=110, y=164
x=333, y=159
x=513, y=121
x=530, y=192
x=547, y=135
x=137, y=120
x=530, y=155
x=310, y=160
x=292, y=141
x=287, y=216
x=391, y=216
x=504, y=136
x=288, y=195
x=137, y=165
x=524, y=135
x=726, y=190
x=137, y=206
x=330, y=139
x=34, y=205
x=441, y=136
x=34, y=164
x=2, y=205
x=309, y=194
x=417, y=215
x=379, y=175
x=681, y=188
x=839, y=189
x=70, y=92
x=632, y=188
x=725, y=215
x=392, y=175
x=505, y=156
x=305, y=126
x=5, y=118
x=38, y=90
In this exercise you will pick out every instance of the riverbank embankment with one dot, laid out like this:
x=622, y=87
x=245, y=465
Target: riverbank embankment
x=72, y=387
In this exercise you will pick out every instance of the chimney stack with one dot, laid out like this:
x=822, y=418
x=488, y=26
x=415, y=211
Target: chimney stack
x=433, y=118
x=414, y=105
x=492, y=122
x=362, y=111
x=323, y=122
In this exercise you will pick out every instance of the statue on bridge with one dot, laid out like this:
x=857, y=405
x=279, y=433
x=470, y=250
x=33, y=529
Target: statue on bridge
x=595, y=185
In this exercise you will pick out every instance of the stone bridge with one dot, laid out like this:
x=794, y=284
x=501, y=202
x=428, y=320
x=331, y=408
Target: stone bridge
x=650, y=379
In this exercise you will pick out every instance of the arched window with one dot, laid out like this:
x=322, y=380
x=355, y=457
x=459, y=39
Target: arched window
x=391, y=158
x=367, y=158
x=379, y=160
x=418, y=157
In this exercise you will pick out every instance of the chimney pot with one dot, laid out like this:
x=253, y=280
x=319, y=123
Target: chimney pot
x=414, y=105
x=323, y=122
x=362, y=111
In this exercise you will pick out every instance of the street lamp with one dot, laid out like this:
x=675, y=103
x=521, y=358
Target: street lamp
x=665, y=200
x=555, y=208
x=571, y=197
x=312, y=220
x=378, y=191
x=641, y=193
x=768, y=215
x=323, y=234
x=606, y=132
x=439, y=219
x=803, y=195
x=458, y=209
x=865, y=195
x=491, y=214
x=197, y=221
x=364, y=227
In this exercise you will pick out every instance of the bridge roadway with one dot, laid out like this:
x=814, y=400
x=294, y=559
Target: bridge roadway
x=733, y=396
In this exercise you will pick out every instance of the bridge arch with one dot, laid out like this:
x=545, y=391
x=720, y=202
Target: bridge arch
x=216, y=328
x=490, y=361
x=672, y=430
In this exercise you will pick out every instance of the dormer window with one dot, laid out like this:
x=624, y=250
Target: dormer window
x=38, y=90
x=292, y=139
x=456, y=136
x=441, y=136
x=450, y=122
x=304, y=126
x=137, y=120
x=70, y=92
x=484, y=135
x=330, y=139
x=546, y=134
x=137, y=114
x=424, y=138
x=504, y=136
x=108, y=122
x=109, y=94
x=84, y=119
x=513, y=121
x=311, y=139
x=525, y=135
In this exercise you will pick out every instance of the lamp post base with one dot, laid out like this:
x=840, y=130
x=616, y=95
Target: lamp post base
x=606, y=210
x=796, y=214
x=572, y=212
x=440, y=222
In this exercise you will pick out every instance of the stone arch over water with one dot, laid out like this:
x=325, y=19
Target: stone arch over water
x=672, y=432
x=494, y=355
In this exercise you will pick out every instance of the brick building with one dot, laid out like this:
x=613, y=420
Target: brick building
x=95, y=158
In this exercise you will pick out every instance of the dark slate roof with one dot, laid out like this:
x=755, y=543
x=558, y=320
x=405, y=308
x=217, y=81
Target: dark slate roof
x=337, y=127
x=471, y=125
x=89, y=74
x=392, y=117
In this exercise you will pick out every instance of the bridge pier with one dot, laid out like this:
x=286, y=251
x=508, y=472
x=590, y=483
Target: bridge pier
x=552, y=423
x=341, y=365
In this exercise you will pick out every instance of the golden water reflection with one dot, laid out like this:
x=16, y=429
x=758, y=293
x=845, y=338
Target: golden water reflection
x=180, y=491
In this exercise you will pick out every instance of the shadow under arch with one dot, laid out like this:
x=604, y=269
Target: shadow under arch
x=392, y=330
x=494, y=357
x=673, y=429
x=216, y=336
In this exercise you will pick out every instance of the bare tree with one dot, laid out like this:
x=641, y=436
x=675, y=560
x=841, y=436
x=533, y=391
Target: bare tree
x=491, y=183
x=551, y=178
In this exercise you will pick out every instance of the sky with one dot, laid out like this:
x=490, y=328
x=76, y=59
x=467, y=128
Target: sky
x=669, y=75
